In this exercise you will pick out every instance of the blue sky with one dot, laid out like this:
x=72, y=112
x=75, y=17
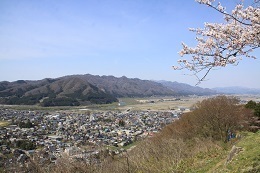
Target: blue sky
x=133, y=38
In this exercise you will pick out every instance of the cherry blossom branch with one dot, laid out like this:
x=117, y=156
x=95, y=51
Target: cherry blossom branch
x=203, y=78
x=221, y=44
x=220, y=9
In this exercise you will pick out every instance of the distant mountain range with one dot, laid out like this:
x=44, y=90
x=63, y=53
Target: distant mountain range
x=185, y=89
x=237, y=90
x=93, y=89
x=78, y=90
x=65, y=91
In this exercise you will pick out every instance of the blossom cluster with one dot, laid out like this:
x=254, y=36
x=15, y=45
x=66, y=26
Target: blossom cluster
x=220, y=44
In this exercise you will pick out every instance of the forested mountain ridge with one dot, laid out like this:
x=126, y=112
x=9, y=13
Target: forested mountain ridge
x=77, y=90
x=185, y=89
x=63, y=91
x=85, y=89
x=127, y=87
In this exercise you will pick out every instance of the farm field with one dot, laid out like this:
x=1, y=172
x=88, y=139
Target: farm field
x=167, y=103
x=148, y=103
x=4, y=123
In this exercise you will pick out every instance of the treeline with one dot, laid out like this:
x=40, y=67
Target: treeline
x=52, y=99
x=213, y=118
x=63, y=101
x=18, y=98
x=254, y=106
x=24, y=100
x=20, y=144
x=27, y=124
x=77, y=98
x=25, y=145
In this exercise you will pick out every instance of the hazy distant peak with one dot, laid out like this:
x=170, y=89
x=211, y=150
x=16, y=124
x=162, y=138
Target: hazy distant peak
x=237, y=90
x=186, y=89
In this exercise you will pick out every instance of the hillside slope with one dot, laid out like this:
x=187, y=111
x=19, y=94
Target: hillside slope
x=71, y=91
x=85, y=89
x=127, y=87
x=247, y=159
x=77, y=90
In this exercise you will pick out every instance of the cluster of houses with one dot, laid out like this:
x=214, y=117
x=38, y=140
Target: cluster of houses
x=77, y=134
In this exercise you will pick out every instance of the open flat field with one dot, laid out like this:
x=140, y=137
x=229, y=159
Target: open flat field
x=4, y=123
x=169, y=103
x=149, y=103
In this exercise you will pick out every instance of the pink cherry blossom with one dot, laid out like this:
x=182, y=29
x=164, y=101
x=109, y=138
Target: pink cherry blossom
x=220, y=44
